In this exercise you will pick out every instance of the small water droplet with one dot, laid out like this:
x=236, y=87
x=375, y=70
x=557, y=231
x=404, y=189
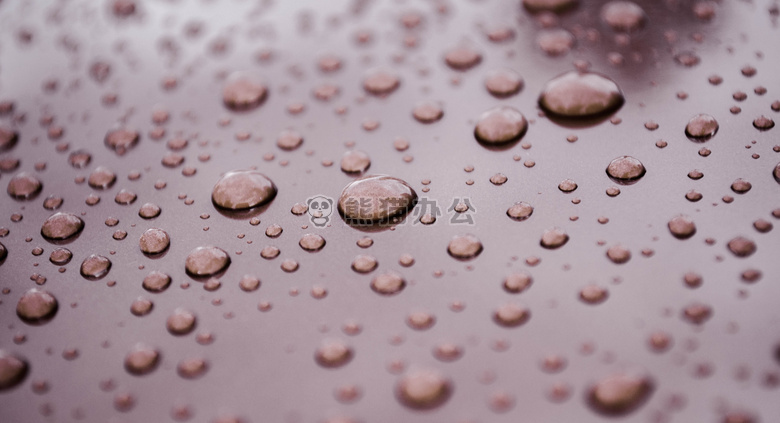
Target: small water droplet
x=682, y=227
x=623, y=16
x=141, y=360
x=625, y=170
x=122, y=140
x=389, y=283
x=156, y=281
x=333, y=354
x=503, y=83
x=500, y=126
x=206, y=261
x=181, y=322
x=464, y=247
x=511, y=315
x=381, y=82
x=554, y=238
x=95, y=267
x=243, y=92
x=154, y=241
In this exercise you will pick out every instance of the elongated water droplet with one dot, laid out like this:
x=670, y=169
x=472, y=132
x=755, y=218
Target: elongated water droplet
x=61, y=226
x=620, y=394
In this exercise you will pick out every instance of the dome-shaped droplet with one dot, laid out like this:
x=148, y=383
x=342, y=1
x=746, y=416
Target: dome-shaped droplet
x=520, y=211
x=149, y=211
x=428, y=112
x=289, y=140
x=364, y=263
x=697, y=313
x=741, y=246
x=24, y=186
x=206, y=261
x=555, y=6
x=192, y=368
x=36, y=307
x=355, y=162
x=312, y=242
x=242, y=189
x=388, y=283
x=625, y=170
x=242, y=92
x=464, y=247
x=13, y=370
x=701, y=128
x=122, y=140
x=60, y=256
x=623, y=16
x=580, y=95
x=181, y=322
x=95, y=267
x=555, y=42
x=462, y=58
x=154, y=241
x=381, y=82
x=500, y=125
x=619, y=254
x=333, y=354
x=554, y=238
x=376, y=198
x=682, y=227
x=8, y=138
x=503, y=83
x=594, y=294
x=156, y=281
x=620, y=393
x=101, y=178
x=141, y=360
x=61, y=226
x=517, y=282
x=423, y=389
x=511, y=315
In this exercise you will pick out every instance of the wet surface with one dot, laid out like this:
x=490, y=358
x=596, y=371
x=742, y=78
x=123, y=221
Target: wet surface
x=613, y=256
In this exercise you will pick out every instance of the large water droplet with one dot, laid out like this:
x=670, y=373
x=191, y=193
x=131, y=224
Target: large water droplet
x=381, y=82
x=376, y=198
x=8, y=138
x=24, y=186
x=101, y=178
x=741, y=246
x=503, y=83
x=620, y=394
x=181, y=322
x=554, y=238
x=206, y=261
x=156, y=281
x=623, y=16
x=682, y=227
x=36, y=307
x=312, y=242
x=142, y=359
x=355, y=162
x=61, y=226
x=389, y=283
x=13, y=370
x=520, y=211
x=500, y=126
x=243, y=189
x=464, y=247
x=625, y=170
x=462, y=58
x=154, y=241
x=122, y=140
x=423, y=389
x=580, y=95
x=701, y=128
x=511, y=315
x=242, y=92
x=95, y=267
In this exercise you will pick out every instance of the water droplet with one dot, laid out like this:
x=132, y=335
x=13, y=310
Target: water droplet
x=149, y=211
x=555, y=6
x=623, y=16
x=125, y=197
x=154, y=241
x=122, y=140
x=682, y=227
x=289, y=266
x=332, y=354
x=192, y=368
x=181, y=322
x=389, y=283
x=620, y=394
x=517, y=282
x=497, y=179
x=36, y=307
x=520, y=211
x=625, y=170
x=13, y=370
x=464, y=247
x=594, y=294
x=101, y=178
x=701, y=128
x=420, y=320
x=206, y=261
x=376, y=198
x=581, y=95
x=24, y=186
x=141, y=307
x=269, y=252
x=60, y=256
x=554, y=238
x=511, y=315
x=312, y=242
x=156, y=281
x=504, y=83
x=697, y=313
x=741, y=246
x=8, y=138
x=555, y=42
x=355, y=162
x=242, y=189
x=289, y=140
x=381, y=82
x=763, y=123
x=61, y=226
x=741, y=186
x=619, y=254
x=428, y=112
x=249, y=283
x=95, y=267
x=141, y=360
x=242, y=92
x=462, y=58
x=567, y=185
x=500, y=126
x=364, y=264
x=423, y=389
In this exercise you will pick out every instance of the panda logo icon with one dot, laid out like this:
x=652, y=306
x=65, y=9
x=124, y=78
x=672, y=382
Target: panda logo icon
x=320, y=209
